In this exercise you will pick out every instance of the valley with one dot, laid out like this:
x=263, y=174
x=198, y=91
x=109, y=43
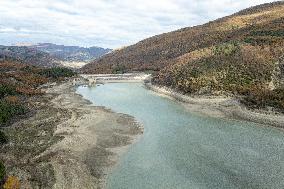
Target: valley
x=198, y=107
x=239, y=55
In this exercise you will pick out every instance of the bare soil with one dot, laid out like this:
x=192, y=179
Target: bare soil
x=67, y=143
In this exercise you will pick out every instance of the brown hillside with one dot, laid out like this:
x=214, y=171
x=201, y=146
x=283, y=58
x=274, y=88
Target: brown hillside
x=156, y=52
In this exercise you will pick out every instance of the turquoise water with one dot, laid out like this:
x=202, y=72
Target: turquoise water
x=184, y=150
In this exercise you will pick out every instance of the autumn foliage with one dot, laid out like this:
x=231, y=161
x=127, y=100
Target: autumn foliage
x=230, y=56
x=12, y=182
x=262, y=24
x=19, y=82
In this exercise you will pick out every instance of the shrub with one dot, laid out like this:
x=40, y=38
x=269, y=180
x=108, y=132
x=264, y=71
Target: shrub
x=2, y=172
x=261, y=98
x=226, y=49
x=3, y=138
x=29, y=78
x=119, y=69
x=12, y=182
x=7, y=90
x=27, y=90
x=57, y=72
x=277, y=33
x=9, y=110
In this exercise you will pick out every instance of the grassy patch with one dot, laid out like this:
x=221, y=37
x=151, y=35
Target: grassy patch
x=227, y=49
x=9, y=110
x=57, y=72
x=275, y=33
x=7, y=90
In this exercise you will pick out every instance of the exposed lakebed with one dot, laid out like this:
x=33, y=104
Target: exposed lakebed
x=181, y=149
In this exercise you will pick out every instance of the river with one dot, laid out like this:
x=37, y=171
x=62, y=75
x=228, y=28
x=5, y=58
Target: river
x=184, y=150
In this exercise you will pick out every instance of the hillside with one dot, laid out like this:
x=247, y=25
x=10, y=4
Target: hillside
x=22, y=98
x=71, y=53
x=28, y=56
x=153, y=53
x=51, y=55
x=20, y=82
x=235, y=55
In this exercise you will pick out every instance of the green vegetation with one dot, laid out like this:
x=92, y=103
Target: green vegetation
x=20, y=93
x=2, y=172
x=7, y=90
x=259, y=97
x=231, y=68
x=57, y=72
x=227, y=49
x=9, y=110
x=276, y=33
x=229, y=56
x=3, y=138
x=19, y=82
x=258, y=25
x=119, y=69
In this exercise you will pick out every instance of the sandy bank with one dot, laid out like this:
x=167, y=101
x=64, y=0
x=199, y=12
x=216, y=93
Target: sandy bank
x=94, y=137
x=220, y=107
x=68, y=142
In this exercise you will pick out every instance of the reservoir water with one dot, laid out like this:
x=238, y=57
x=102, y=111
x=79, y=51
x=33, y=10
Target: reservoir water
x=184, y=150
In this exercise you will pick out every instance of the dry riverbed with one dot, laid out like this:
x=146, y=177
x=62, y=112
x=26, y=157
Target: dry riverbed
x=67, y=143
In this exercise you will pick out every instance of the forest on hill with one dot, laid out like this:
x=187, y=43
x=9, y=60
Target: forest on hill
x=241, y=54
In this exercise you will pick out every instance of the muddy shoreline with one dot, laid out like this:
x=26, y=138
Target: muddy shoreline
x=71, y=143
x=220, y=107
x=94, y=138
x=68, y=143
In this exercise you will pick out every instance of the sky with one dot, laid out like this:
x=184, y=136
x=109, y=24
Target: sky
x=105, y=23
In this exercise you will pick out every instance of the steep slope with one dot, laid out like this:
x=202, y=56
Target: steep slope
x=71, y=53
x=240, y=55
x=156, y=52
x=250, y=66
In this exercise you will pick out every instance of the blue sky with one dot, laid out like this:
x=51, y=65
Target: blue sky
x=105, y=23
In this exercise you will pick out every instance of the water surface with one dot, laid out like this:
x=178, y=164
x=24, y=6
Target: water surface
x=184, y=150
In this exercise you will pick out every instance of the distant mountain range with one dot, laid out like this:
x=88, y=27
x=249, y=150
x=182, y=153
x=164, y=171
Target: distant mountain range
x=71, y=53
x=50, y=55
x=27, y=55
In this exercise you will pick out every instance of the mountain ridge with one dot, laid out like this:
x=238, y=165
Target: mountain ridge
x=71, y=53
x=170, y=45
x=51, y=55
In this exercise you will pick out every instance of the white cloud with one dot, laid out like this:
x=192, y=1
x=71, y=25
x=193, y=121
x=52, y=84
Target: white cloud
x=107, y=23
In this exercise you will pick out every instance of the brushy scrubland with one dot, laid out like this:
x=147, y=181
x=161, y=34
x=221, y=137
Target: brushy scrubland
x=19, y=86
x=19, y=82
x=235, y=55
